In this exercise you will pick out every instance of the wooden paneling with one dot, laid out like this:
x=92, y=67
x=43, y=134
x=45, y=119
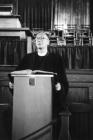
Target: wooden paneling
x=80, y=99
x=80, y=85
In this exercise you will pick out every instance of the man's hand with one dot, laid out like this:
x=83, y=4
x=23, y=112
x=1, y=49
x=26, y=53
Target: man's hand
x=58, y=87
x=11, y=85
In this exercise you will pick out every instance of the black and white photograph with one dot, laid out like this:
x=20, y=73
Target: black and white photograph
x=46, y=70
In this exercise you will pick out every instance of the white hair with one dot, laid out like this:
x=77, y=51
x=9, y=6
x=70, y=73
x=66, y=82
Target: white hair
x=43, y=34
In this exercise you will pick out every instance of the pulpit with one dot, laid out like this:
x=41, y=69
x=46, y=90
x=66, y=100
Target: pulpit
x=32, y=107
x=15, y=41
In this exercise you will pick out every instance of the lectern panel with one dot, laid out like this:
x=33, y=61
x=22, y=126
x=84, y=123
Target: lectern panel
x=32, y=104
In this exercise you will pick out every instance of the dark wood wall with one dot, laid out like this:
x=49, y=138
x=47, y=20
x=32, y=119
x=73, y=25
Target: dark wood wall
x=81, y=104
x=79, y=99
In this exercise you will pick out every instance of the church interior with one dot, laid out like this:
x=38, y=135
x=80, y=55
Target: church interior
x=69, y=26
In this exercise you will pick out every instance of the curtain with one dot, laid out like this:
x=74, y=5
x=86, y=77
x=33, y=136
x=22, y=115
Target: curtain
x=76, y=12
x=35, y=13
x=41, y=13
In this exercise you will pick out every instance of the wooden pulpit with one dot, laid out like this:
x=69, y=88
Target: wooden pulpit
x=32, y=107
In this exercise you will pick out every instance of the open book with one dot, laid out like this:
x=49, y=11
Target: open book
x=28, y=72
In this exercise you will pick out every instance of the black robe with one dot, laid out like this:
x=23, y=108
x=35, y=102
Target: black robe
x=52, y=63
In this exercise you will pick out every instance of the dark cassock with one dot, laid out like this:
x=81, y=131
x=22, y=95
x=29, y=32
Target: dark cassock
x=52, y=63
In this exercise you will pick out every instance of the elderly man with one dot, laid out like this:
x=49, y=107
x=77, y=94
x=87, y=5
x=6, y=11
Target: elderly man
x=41, y=59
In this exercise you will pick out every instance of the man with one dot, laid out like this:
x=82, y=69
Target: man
x=41, y=59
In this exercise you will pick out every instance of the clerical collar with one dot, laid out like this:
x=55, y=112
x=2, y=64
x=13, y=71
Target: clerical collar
x=42, y=54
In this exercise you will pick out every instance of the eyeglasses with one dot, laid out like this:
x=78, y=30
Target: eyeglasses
x=40, y=38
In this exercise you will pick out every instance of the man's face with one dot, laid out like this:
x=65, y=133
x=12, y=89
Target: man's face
x=42, y=41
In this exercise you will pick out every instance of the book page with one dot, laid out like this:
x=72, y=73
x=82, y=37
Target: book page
x=28, y=72
x=43, y=72
x=22, y=72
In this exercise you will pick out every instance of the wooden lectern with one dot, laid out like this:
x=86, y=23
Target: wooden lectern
x=32, y=107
